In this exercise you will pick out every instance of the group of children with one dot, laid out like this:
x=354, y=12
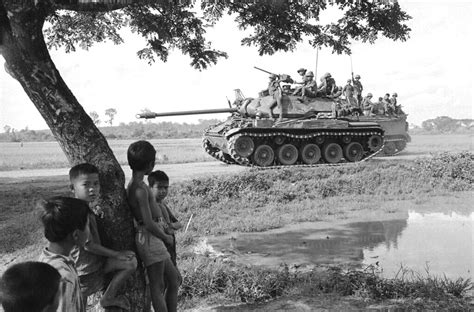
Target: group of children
x=75, y=264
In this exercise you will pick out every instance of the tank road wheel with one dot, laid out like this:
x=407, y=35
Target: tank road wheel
x=310, y=154
x=375, y=142
x=279, y=140
x=401, y=145
x=263, y=156
x=353, y=152
x=389, y=148
x=332, y=153
x=287, y=154
x=244, y=146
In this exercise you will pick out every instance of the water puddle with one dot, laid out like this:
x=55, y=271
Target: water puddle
x=441, y=244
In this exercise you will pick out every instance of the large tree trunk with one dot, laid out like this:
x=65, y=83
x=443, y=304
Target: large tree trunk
x=28, y=61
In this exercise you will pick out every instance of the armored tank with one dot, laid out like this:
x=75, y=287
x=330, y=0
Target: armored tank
x=308, y=132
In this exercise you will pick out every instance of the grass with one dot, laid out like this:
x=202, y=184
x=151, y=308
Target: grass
x=42, y=155
x=227, y=282
x=223, y=204
x=34, y=155
x=258, y=200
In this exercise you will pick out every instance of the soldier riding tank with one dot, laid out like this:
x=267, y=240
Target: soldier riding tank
x=309, y=132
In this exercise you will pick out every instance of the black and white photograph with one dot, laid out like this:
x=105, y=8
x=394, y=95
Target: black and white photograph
x=236, y=155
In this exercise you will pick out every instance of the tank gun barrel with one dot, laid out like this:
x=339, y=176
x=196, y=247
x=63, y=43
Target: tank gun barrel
x=150, y=115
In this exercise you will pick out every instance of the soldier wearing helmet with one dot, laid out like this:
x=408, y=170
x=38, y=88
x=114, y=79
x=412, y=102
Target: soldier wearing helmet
x=302, y=72
x=308, y=88
x=389, y=108
x=378, y=108
x=328, y=85
x=357, y=89
x=274, y=89
x=396, y=108
x=393, y=100
x=349, y=93
x=367, y=104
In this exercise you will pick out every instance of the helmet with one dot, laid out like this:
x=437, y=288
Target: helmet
x=326, y=75
x=309, y=74
x=349, y=80
x=369, y=94
x=301, y=70
x=394, y=94
x=357, y=77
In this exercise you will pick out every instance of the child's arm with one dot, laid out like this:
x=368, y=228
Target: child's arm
x=94, y=246
x=144, y=206
x=175, y=224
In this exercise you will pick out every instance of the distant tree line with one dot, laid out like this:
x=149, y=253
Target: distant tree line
x=445, y=124
x=172, y=130
x=132, y=131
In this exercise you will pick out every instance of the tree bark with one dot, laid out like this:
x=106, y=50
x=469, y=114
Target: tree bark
x=28, y=61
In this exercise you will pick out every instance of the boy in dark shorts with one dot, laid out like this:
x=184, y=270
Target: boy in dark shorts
x=93, y=260
x=30, y=286
x=159, y=182
x=150, y=236
x=66, y=225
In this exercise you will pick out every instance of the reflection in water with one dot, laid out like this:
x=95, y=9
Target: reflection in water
x=445, y=241
x=440, y=244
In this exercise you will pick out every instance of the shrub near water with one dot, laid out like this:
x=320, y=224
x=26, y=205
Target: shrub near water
x=366, y=178
x=223, y=204
x=208, y=278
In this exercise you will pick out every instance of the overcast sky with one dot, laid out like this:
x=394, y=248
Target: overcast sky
x=431, y=72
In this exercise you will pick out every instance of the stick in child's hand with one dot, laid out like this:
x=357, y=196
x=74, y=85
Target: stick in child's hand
x=189, y=221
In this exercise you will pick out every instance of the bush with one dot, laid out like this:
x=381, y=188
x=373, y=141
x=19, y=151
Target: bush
x=204, y=277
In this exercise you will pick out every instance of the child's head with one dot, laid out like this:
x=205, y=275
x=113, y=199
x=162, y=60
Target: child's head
x=159, y=183
x=65, y=220
x=141, y=156
x=85, y=183
x=30, y=287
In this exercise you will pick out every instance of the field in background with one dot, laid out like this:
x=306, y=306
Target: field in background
x=39, y=155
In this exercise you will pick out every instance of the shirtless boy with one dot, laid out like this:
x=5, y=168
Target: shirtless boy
x=150, y=235
x=159, y=182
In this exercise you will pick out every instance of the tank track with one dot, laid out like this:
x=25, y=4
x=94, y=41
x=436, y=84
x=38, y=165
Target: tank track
x=299, y=138
x=386, y=151
x=216, y=153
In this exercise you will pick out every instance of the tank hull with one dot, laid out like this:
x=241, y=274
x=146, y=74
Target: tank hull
x=266, y=143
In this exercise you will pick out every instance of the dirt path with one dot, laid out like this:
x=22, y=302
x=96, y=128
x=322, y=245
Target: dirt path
x=176, y=172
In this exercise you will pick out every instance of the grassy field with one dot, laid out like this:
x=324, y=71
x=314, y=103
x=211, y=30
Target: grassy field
x=258, y=200
x=37, y=155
